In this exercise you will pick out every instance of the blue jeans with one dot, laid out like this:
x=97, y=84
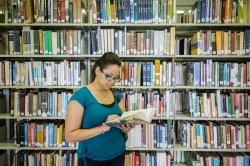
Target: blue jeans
x=117, y=161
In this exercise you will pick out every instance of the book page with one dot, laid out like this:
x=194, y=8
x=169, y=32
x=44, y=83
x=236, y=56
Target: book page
x=133, y=117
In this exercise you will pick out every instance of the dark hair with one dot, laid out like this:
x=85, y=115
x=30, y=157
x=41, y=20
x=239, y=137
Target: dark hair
x=108, y=58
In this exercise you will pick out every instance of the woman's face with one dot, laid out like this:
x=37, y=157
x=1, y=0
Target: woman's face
x=108, y=76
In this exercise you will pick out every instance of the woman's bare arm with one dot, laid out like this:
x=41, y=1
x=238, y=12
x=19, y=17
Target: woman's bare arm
x=125, y=128
x=73, y=122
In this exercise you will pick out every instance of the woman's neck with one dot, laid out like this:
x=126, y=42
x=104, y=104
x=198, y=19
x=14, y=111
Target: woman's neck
x=98, y=87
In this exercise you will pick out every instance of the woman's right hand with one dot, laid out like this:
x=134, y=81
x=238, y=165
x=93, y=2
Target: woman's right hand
x=112, y=117
x=106, y=128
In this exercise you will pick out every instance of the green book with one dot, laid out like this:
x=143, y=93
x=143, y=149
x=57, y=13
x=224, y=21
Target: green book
x=36, y=42
x=46, y=42
x=50, y=42
x=229, y=107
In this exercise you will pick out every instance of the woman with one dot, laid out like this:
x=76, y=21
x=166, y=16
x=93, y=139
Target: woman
x=89, y=108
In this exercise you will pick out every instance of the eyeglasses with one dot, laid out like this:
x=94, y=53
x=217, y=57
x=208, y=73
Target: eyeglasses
x=109, y=77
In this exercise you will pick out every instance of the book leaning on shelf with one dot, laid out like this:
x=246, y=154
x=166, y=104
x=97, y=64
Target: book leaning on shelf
x=133, y=117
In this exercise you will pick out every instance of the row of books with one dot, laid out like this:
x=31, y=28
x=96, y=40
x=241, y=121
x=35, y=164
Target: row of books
x=133, y=11
x=215, y=43
x=214, y=105
x=194, y=103
x=146, y=73
x=41, y=158
x=45, y=11
x=219, y=11
x=133, y=42
x=44, y=42
x=99, y=41
x=209, y=73
x=212, y=159
x=148, y=159
x=151, y=136
x=164, y=102
x=39, y=73
x=38, y=134
x=39, y=103
x=214, y=135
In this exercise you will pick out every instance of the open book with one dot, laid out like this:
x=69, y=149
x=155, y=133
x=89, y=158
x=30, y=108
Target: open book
x=133, y=117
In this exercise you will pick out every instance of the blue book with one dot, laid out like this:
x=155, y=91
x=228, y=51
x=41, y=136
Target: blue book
x=247, y=160
x=152, y=74
x=13, y=74
x=26, y=134
x=51, y=134
x=122, y=11
x=198, y=134
x=16, y=41
x=197, y=73
x=140, y=20
x=116, y=42
x=127, y=11
x=50, y=112
x=208, y=12
x=199, y=8
x=151, y=13
x=148, y=70
x=225, y=80
x=165, y=135
x=216, y=161
x=148, y=160
x=203, y=11
x=132, y=19
x=158, y=135
x=247, y=42
x=136, y=10
x=144, y=74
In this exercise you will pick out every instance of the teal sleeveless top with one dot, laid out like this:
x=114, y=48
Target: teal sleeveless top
x=104, y=146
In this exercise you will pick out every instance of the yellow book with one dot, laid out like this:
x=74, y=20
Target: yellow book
x=248, y=13
x=21, y=45
x=226, y=49
x=193, y=136
x=48, y=159
x=109, y=12
x=41, y=44
x=113, y=10
x=30, y=11
x=157, y=72
x=60, y=134
x=240, y=17
x=59, y=105
x=59, y=160
x=194, y=44
x=93, y=12
x=218, y=41
x=37, y=135
x=79, y=11
x=242, y=50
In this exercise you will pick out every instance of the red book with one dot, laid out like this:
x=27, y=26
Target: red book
x=248, y=135
x=62, y=11
x=228, y=137
x=137, y=160
x=233, y=50
x=133, y=159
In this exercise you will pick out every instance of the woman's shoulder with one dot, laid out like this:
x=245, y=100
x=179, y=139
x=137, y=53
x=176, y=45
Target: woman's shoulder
x=80, y=95
x=81, y=90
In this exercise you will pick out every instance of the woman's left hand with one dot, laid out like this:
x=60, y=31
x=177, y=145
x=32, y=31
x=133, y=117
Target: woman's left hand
x=127, y=127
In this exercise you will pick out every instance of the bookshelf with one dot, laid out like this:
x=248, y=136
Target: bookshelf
x=165, y=25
